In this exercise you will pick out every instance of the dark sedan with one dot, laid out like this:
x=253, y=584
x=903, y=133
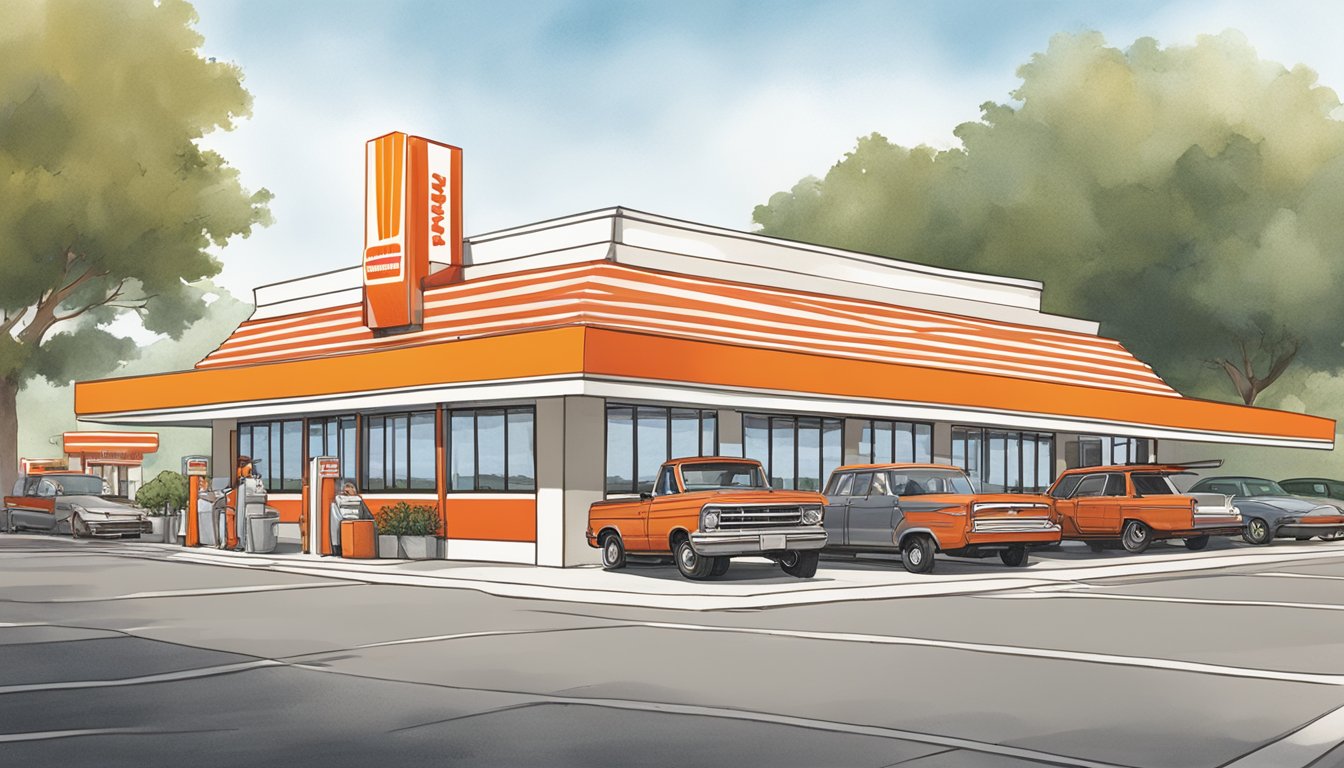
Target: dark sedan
x=1270, y=512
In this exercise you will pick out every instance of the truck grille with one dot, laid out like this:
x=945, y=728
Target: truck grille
x=1011, y=524
x=751, y=518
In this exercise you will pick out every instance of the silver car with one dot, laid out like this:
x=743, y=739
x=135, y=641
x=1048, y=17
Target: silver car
x=72, y=503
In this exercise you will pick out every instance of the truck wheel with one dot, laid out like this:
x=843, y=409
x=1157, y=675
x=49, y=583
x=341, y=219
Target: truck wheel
x=1257, y=532
x=1014, y=556
x=917, y=553
x=613, y=552
x=691, y=565
x=1136, y=536
x=720, y=566
x=803, y=565
x=1196, y=543
x=1097, y=547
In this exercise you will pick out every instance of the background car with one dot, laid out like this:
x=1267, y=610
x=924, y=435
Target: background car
x=1269, y=512
x=73, y=503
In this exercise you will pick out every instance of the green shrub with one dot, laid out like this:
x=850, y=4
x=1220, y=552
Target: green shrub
x=402, y=519
x=165, y=494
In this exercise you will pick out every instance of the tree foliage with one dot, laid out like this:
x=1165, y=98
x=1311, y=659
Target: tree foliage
x=1188, y=197
x=108, y=202
x=166, y=492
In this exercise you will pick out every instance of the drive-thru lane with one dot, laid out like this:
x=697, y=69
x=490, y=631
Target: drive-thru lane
x=113, y=655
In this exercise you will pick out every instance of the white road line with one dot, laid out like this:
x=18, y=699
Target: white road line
x=467, y=635
x=1299, y=748
x=1052, y=654
x=205, y=592
x=10, y=738
x=164, y=677
x=1300, y=576
x=1159, y=599
x=971, y=745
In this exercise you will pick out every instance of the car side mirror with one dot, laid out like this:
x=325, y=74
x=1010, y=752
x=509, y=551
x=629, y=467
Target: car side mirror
x=645, y=496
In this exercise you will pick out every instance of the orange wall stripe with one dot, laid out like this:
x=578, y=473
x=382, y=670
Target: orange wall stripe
x=638, y=355
x=540, y=353
x=492, y=519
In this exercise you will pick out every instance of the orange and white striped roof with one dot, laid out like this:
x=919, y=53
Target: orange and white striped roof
x=616, y=296
x=93, y=442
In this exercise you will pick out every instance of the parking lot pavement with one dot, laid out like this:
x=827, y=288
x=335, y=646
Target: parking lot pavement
x=129, y=655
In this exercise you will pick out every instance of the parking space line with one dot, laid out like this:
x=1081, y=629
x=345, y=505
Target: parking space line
x=11, y=738
x=163, y=677
x=204, y=592
x=1160, y=599
x=1051, y=654
x=1302, y=747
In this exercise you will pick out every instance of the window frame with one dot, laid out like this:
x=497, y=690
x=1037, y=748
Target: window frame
x=1026, y=451
x=388, y=460
x=274, y=466
x=703, y=415
x=822, y=422
x=447, y=467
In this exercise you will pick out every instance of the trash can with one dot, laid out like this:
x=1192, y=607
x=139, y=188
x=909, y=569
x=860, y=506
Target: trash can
x=359, y=539
x=261, y=531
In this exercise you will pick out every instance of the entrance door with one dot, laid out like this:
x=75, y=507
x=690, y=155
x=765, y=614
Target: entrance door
x=871, y=516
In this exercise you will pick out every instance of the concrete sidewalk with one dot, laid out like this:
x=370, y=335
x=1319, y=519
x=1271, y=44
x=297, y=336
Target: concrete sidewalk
x=751, y=583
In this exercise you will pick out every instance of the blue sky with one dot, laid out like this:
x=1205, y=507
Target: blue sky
x=697, y=110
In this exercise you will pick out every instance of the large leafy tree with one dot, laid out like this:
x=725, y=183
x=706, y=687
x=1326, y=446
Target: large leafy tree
x=108, y=202
x=1188, y=197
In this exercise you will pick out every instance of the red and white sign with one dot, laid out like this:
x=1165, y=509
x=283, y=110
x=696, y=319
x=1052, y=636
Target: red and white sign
x=412, y=216
x=197, y=466
x=328, y=467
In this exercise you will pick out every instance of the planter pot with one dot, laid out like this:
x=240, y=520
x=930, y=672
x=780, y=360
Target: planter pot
x=417, y=547
x=158, y=529
x=387, y=546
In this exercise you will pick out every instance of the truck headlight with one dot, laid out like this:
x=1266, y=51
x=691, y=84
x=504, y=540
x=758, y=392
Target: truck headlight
x=811, y=515
x=710, y=521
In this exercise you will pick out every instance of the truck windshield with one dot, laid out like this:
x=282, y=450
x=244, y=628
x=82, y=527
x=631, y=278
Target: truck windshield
x=915, y=482
x=715, y=475
x=80, y=485
x=1150, y=484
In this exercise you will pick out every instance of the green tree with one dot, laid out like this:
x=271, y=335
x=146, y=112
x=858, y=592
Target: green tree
x=108, y=201
x=1187, y=197
x=166, y=492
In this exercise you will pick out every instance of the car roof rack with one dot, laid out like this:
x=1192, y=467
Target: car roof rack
x=1202, y=464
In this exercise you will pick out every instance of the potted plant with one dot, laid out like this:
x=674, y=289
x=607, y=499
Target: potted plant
x=408, y=531
x=162, y=499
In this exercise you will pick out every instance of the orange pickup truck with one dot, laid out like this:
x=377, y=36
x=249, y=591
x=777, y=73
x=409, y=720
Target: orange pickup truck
x=919, y=509
x=1138, y=504
x=704, y=511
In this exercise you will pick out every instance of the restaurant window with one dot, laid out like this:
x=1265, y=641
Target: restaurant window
x=335, y=436
x=1005, y=461
x=885, y=442
x=799, y=452
x=492, y=450
x=399, y=452
x=1105, y=451
x=641, y=437
x=276, y=450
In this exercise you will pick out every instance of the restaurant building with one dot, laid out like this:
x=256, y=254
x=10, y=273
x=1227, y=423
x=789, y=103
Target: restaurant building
x=514, y=377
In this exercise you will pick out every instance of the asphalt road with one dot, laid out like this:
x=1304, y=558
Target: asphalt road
x=111, y=656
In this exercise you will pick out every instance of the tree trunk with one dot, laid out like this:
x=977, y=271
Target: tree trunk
x=9, y=434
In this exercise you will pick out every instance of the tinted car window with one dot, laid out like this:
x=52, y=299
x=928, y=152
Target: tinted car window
x=1152, y=484
x=914, y=482
x=881, y=485
x=1092, y=485
x=1115, y=485
x=861, y=482
x=708, y=476
x=1064, y=488
x=665, y=484
x=1227, y=489
x=1258, y=487
x=839, y=485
